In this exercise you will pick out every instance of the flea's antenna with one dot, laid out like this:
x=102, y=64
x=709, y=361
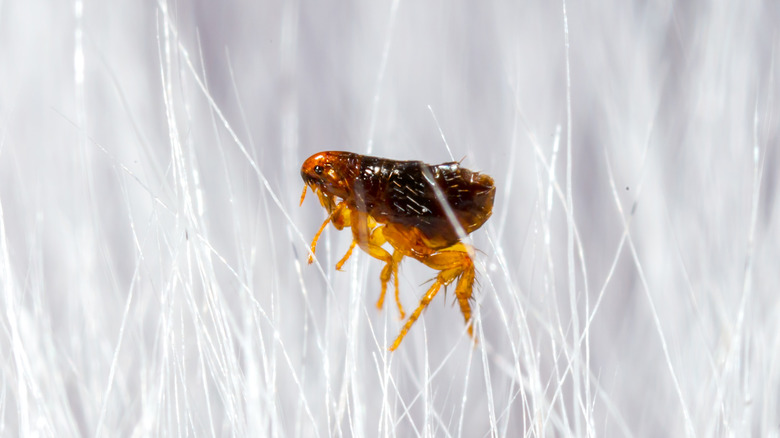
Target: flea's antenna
x=303, y=195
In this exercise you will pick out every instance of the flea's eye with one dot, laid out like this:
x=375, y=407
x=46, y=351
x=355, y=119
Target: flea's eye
x=318, y=169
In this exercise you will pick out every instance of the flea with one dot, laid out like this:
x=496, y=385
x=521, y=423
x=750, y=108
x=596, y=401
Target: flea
x=422, y=211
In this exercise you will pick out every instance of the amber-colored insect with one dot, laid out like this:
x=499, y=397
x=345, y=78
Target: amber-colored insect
x=422, y=211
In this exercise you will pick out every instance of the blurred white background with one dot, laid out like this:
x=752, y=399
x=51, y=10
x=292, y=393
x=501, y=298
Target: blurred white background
x=153, y=268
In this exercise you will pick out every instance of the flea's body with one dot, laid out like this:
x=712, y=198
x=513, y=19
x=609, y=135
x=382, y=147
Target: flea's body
x=421, y=210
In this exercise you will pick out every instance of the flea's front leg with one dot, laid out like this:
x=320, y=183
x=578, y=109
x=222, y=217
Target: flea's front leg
x=340, y=217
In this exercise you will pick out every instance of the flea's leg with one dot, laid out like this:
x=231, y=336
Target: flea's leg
x=453, y=263
x=416, y=314
x=397, y=256
x=371, y=242
x=340, y=218
x=316, y=238
x=346, y=256
x=387, y=271
x=375, y=238
x=457, y=257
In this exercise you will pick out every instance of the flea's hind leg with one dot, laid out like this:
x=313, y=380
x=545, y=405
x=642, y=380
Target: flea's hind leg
x=453, y=263
x=457, y=257
x=426, y=299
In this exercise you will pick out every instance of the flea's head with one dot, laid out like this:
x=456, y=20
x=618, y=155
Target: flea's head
x=329, y=174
